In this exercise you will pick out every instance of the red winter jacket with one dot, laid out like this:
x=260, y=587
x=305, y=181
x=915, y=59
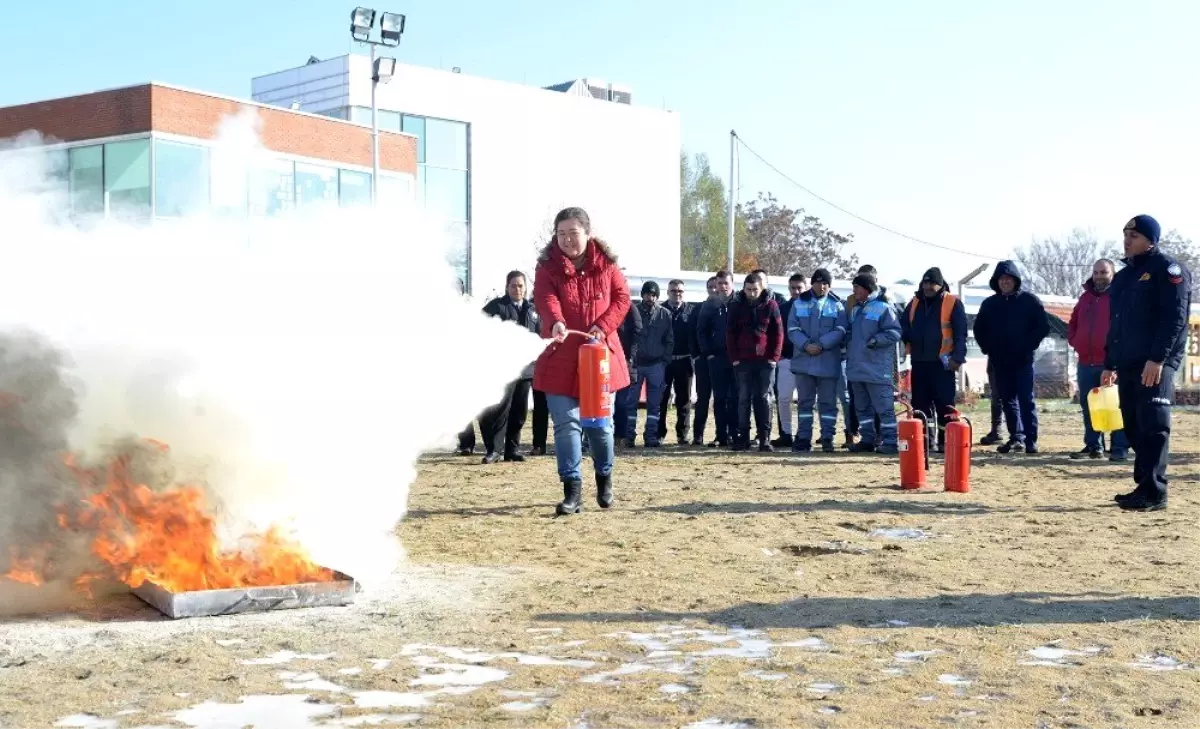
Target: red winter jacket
x=1088, y=328
x=594, y=295
x=754, y=329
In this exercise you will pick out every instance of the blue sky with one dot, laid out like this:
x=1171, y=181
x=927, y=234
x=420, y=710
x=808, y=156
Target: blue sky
x=974, y=125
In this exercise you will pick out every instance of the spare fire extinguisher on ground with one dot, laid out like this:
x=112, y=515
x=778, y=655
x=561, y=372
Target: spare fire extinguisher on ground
x=914, y=442
x=958, y=453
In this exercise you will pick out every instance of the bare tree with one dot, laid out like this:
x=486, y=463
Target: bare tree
x=1058, y=266
x=784, y=240
x=1183, y=250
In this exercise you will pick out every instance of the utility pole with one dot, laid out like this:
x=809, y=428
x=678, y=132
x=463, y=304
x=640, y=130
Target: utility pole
x=732, y=192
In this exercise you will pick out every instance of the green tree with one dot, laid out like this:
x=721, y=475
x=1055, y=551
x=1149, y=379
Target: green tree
x=783, y=240
x=704, y=217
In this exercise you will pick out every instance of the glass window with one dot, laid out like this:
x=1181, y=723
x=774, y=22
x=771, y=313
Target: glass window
x=360, y=115
x=127, y=178
x=86, y=176
x=316, y=185
x=335, y=113
x=229, y=188
x=181, y=176
x=415, y=125
x=446, y=143
x=446, y=193
x=272, y=188
x=395, y=191
x=354, y=188
x=389, y=120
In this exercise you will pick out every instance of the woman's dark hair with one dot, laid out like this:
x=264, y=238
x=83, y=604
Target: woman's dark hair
x=514, y=274
x=579, y=215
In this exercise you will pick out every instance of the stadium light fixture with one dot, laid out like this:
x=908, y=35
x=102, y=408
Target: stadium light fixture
x=391, y=27
x=362, y=20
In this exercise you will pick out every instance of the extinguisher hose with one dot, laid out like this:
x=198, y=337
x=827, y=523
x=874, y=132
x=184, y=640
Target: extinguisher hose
x=586, y=335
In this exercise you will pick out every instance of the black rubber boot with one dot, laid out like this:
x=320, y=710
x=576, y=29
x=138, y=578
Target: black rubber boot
x=572, y=494
x=604, y=494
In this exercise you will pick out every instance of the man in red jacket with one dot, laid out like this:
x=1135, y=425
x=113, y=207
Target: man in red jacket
x=1086, y=333
x=754, y=342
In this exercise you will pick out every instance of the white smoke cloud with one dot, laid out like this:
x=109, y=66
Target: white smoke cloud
x=301, y=364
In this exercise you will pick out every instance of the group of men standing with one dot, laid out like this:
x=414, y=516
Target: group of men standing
x=747, y=348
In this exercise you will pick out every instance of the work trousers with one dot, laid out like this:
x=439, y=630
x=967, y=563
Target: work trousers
x=704, y=396
x=653, y=376
x=785, y=390
x=997, y=414
x=933, y=393
x=753, y=392
x=1146, y=412
x=541, y=419
x=822, y=392
x=1014, y=384
x=500, y=425
x=679, y=381
x=720, y=371
x=849, y=416
x=876, y=404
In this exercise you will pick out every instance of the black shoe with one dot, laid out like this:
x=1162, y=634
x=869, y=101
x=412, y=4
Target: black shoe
x=1031, y=448
x=802, y=446
x=1141, y=503
x=783, y=441
x=698, y=442
x=683, y=441
x=466, y=451
x=491, y=458
x=887, y=450
x=514, y=457
x=1121, y=498
x=604, y=494
x=1087, y=453
x=766, y=448
x=654, y=444
x=990, y=439
x=537, y=451
x=572, y=494
x=628, y=443
x=1118, y=456
x=741, y=446
x=827, y=446
x=862, y=447
x=1012, y=447
x=849, y=442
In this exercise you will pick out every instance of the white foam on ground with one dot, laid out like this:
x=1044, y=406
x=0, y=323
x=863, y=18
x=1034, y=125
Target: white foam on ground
x=674, y=688
x=717, y=724
x=950, y=679
x=453, y=674
x=914, y=656
x=813, y=644
x=1051, y=655
x=765, y=675
x=226, y=642
x=307, y=681
x=898, y=533
x=373, y=719
x=378, y=664
x=350, y=671
x=287, y=657
x=391, y=700
x=289, y=711
x=85, y=721
x=1158, y=662
x=625, y=670
x=522, y=706
x=823, y=687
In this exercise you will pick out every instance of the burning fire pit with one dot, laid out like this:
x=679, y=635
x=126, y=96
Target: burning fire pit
x=204, y=603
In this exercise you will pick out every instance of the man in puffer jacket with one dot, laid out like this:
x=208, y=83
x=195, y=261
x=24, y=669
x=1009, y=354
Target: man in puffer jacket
x=655, y=346
x=817, y=325
x=870, y=356
x=710, y=340
x=1009, y=328
x=754, y=340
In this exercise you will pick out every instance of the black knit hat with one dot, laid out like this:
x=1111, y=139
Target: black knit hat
x=821, y=276
x=867, y=281
x=650, y=287
x=934, y=275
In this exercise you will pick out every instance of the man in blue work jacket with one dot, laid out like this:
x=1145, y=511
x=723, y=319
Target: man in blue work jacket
x=1146, y=339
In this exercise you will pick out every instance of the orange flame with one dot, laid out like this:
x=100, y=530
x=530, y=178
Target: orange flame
x=165, y=537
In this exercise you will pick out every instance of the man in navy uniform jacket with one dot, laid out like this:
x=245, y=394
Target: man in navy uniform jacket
x=1147, y=334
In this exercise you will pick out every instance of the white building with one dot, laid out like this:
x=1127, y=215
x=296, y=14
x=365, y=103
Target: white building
x=497, y=160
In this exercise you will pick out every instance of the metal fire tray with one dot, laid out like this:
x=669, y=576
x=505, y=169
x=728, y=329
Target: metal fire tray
x=203, y=603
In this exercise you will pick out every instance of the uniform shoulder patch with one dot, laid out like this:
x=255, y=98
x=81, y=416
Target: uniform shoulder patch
x=1174, y=270
x=1145, y=276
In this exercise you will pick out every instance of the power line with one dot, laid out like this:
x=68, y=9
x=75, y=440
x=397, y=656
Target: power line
x=872, y=223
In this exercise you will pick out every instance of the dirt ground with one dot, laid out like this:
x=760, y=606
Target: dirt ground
x=722, y=590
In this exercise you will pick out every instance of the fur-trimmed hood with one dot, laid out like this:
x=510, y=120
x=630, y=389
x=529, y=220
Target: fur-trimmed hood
x=595, y=246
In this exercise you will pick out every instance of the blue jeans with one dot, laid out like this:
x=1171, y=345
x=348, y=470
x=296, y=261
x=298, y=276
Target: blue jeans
x=1088, y=378
x=568, y=439
x=1014, y=384
x=655, y=378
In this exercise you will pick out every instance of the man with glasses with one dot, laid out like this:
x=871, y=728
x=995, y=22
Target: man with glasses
x=680, y=369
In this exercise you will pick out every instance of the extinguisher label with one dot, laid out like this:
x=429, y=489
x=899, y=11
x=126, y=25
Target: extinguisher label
x=903, y=445
x=604, y=366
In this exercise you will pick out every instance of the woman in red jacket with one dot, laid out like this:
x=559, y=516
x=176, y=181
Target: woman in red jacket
x=578, y=286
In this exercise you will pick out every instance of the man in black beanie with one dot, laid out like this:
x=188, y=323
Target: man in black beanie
x=934, y=332
x=1147, y=336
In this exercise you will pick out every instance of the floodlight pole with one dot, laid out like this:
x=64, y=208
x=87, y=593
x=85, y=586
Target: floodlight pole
x=374, y=130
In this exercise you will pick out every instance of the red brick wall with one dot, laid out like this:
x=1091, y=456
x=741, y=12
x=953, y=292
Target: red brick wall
x=142, y=108
x=102, y=114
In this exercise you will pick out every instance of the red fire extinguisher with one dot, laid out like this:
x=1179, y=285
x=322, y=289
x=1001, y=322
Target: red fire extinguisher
x=958, y=453
x=595, y=405
x=913, y=436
